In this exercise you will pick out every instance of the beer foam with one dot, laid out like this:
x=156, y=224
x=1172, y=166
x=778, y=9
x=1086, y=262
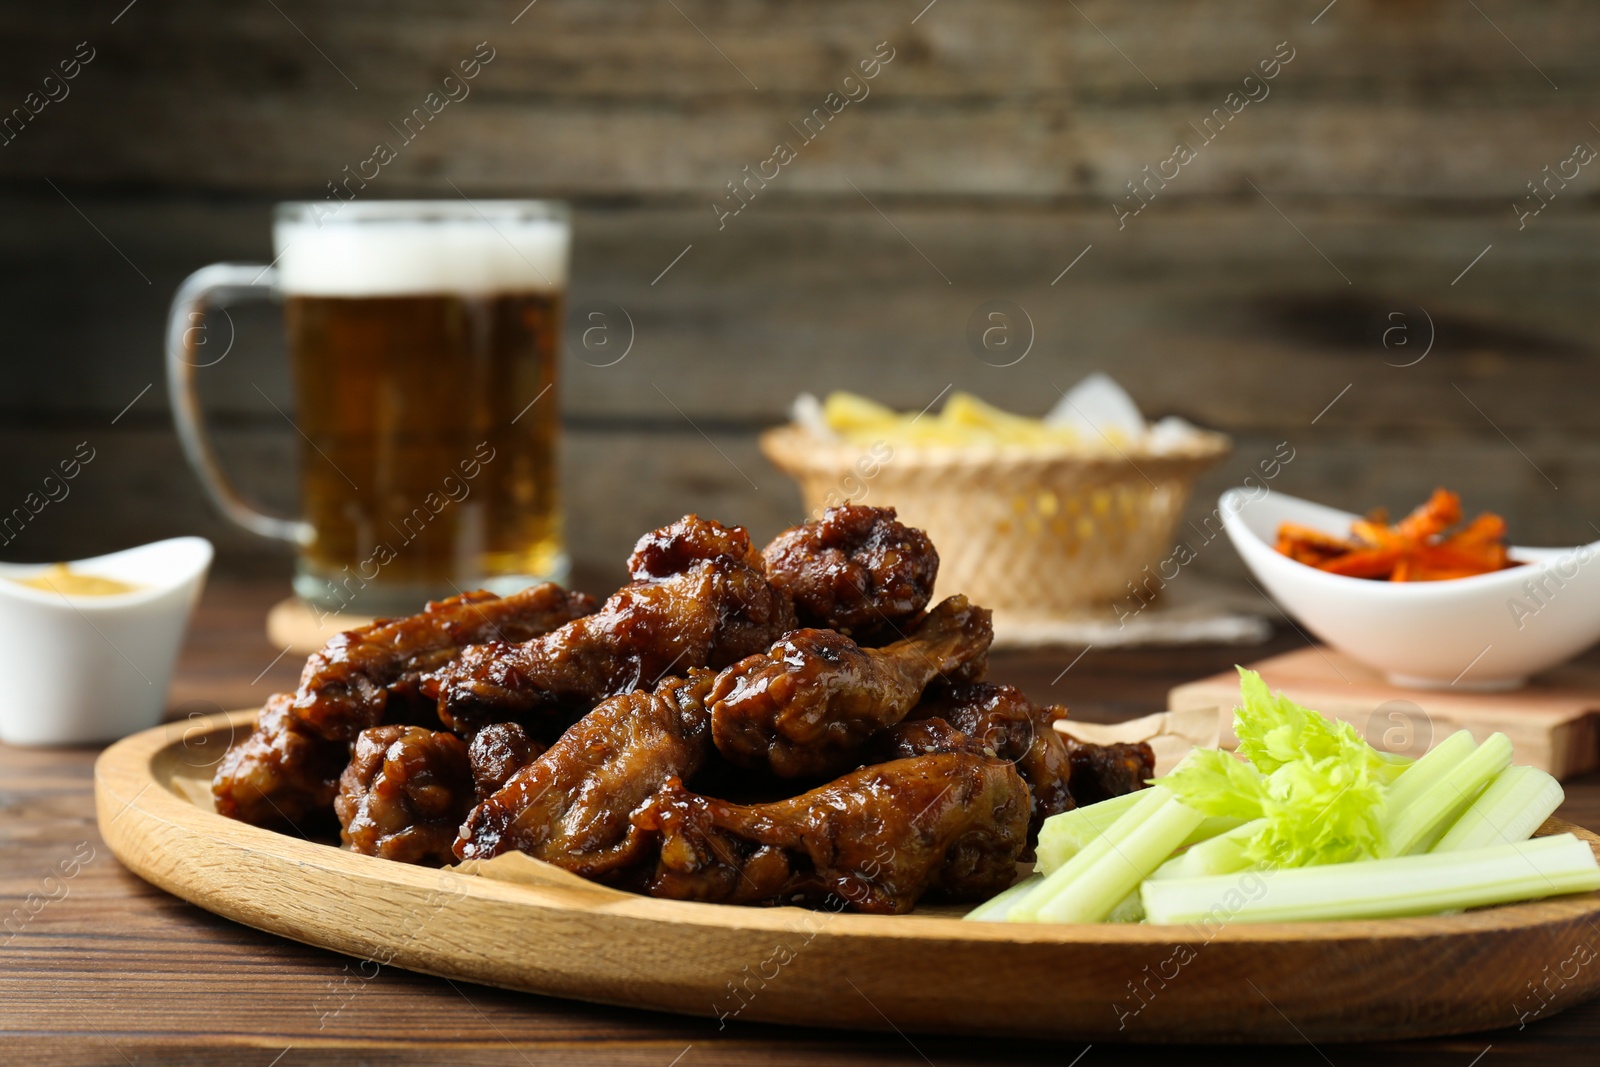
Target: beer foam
x=416, y=256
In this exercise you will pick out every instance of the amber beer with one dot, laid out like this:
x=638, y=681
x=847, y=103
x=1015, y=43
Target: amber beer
x=424, y=345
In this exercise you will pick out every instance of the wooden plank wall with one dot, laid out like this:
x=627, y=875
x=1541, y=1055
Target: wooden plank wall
x=1251, y=291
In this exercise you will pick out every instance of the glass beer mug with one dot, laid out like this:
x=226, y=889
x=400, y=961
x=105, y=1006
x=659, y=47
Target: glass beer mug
x=423, y=339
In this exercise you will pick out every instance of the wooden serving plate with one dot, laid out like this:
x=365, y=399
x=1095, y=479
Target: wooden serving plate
x=1288, y=982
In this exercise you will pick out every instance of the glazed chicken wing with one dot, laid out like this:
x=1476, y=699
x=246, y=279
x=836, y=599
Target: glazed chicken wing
x=877, y=839
x=287, y=771
x=919, y=737
x=698, y=599
x=1100, y=772
x=806, y=706
x=1006, y=723
x=695, y=672
x=347, y=686
x=856, y=570
x=404, y=793
x=498, y=751
x=998, y=720
x=570, y=806
x=281, y=775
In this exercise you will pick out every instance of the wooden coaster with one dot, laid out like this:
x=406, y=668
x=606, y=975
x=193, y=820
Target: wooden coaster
x=1553, y=722
x=303, y=629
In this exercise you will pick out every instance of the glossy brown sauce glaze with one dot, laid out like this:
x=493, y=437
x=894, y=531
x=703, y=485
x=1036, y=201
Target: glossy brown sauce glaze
x=1005, y=723
x=875, y=840
x=498, y=751
x=1100, y=772
x=404, y=793
x=857, y=570
x=698, y=599
x=571, y=805
x=286, y=771
x=347, y=686
x=806, y=706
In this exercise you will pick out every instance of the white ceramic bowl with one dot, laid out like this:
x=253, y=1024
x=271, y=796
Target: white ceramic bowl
x=1490, y=631
x=78, y=669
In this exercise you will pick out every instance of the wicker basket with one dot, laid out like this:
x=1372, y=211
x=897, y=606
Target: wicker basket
x=1042, y=534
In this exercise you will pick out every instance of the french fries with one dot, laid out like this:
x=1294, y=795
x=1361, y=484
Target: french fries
x=1418, y=548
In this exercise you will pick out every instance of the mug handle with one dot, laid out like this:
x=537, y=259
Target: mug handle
x=216, y=286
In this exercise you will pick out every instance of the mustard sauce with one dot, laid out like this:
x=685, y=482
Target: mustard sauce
x=60, y=578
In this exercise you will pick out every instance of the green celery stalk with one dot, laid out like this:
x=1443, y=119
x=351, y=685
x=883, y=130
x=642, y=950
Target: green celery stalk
x=1062, y=836
x=1377, y=889
x=1096, y=889
x=1422, y=821
x=1422, y=775
x=1515, y=805
x=1223, y=854
x=1211, y=826
x=1130, y=909
x=1150, y=801
x=995, y=908
x=1391, y=766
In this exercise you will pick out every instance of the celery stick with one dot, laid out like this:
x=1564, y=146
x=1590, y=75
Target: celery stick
x=1422, y=775
x=1130, y=909
x=1418, y=825
x=1211, y=826
x=1150, y=801
x=1062, y=836
x=994, y=909
x=1097, y=889
x=1388, y=888
x=1515, y=805
x=1223, y=854
x=1391, y=764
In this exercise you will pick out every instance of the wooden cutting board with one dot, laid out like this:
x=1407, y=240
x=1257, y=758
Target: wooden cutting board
x=1553, y=722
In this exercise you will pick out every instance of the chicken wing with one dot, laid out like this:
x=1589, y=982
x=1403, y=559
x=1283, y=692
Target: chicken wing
x=874, y=840
x=806, y=706
x=1100, y=772
x=919, y=737
x=698, y=599
x=570, y=806
x=1005, y=722
x=998, y=720
x=286, y=772
x=498, y=751
x=282, y=775
x=404, y=793
x=856, y=570
x=347, y=686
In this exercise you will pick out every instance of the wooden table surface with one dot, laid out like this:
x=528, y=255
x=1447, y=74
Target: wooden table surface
x=100, y=968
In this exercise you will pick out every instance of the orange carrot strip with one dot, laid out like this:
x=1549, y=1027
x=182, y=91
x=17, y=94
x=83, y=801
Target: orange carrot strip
x=1485, y=529
x=1311, y=535
x=1366, y=563
x=1442, y=510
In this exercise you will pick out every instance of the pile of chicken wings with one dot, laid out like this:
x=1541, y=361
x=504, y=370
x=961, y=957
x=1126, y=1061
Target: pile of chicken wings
x=789, y=726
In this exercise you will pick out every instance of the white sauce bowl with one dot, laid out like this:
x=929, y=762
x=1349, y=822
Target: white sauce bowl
x=1490, y=631
x=81, y=669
